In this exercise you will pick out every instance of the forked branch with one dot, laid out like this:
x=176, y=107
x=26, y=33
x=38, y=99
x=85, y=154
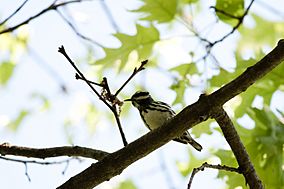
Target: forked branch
x=116, y=162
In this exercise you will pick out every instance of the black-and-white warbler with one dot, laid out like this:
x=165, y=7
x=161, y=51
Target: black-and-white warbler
x=155, y=113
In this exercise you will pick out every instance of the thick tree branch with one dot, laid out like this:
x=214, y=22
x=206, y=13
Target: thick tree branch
x=116, y=162
x=42, y=153
x=233, y=139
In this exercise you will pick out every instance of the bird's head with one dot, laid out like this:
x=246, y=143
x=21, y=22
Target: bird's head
x=140, y=99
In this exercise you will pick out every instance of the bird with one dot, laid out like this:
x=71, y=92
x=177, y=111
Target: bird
x=155, y=113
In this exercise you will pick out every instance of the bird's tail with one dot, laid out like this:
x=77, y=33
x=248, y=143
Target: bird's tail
x=185, y=138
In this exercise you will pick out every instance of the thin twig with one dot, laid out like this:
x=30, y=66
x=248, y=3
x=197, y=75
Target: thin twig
x=209, y=45
x=206, y=165
x=65, y=168
x=48, y=69
x=15, y=12
x=135, y=71
x=225, y=13
x=240, y=21
x=26, y=172
x=53, y=6
x=75, y=30
x=36, y=162
x=110, y=16
x=92, y=82
x=26, y=162
x=114, y=102
x=107, y=94
x=63, y=52
x=110, y=106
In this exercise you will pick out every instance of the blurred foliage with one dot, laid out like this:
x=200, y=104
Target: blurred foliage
x=185, y=168
x=260, y=38
x=183, y=81
x=264, y=144
x=141, y=43
x=11, y=48
x=230, y=10
x=127, y=184
x=15, y=123
x=6, y=71
x=159, y=10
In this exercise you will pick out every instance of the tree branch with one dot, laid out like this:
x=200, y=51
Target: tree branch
x=233, y=139
x=53, y=6
x=76, y=31
x=15, y=12
x=240, y=21
x=35, y=161
x=209, y=45
x=206, y=165
x=105, y=98
x=42, y=153
x=116, y=162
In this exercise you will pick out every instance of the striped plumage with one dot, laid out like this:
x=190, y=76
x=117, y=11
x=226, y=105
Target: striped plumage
x=155, y=113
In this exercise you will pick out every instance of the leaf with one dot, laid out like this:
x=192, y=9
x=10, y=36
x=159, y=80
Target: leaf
x=142, y=43
x=127, y=184
x=189, y=1
x=235, y=8
x=184, y=69
x=185, y=168
x=6, y=71
x=233, y=179
x=202, y=128
x=90, y=119
x=264, y=87
x=260, y=38
x=44, y=100
x=14, y=125
x=182, y=84
x=265, y=148
x=158, y=10
x=179, y=87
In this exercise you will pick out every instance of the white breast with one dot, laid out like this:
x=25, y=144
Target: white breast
x=155, y=119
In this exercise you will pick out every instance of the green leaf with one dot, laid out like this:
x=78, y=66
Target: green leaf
x=235, y=8
x=202, y=128
x=6, y=71
x=182, y=84
x=264, y=87
x=142, y=43
x=127, y=184
x=233, y=179
x=179, y=87
x=90, y=119
x=185, y=168
x=184, y=69
x=189, y=1
x=264, y=144
x=14, y=125
x=158, y=10
x=259, y=30
x=44, y=100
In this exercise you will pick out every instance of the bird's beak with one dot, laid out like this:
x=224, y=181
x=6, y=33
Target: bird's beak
x=128, y=99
